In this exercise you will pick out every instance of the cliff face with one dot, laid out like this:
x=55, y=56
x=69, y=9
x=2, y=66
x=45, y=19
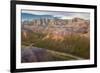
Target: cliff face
x=57, y=26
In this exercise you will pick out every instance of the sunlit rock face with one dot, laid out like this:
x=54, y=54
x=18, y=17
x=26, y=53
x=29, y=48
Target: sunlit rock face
x=57, y=27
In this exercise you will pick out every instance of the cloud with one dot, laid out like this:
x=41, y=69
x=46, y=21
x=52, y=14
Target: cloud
x=62, y=15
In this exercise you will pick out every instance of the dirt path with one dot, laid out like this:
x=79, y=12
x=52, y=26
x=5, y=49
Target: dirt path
x=59, y=54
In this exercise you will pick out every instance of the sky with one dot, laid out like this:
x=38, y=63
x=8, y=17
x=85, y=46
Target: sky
x=62, y=15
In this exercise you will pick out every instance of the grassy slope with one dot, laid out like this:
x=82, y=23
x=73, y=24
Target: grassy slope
x=73, y=44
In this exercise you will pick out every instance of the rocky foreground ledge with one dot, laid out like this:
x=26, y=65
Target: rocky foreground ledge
x=35, y=54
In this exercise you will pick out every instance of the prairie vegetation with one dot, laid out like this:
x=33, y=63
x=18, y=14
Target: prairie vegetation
x=73, y=44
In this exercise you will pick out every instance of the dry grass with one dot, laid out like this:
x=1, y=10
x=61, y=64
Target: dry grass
x=73, y=44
